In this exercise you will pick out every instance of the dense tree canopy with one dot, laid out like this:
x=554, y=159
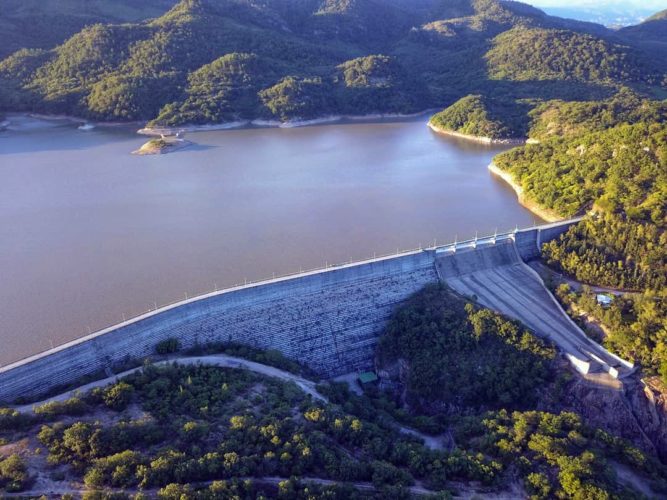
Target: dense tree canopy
x=558, y=455
x=622, y=169
x=576, y=118
x=480, y=116
x=295, y=60
x=496, y=360
x=545, y=54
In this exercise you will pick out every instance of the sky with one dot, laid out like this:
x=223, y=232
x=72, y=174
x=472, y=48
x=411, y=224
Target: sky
x=630, y=4
x=613, y=13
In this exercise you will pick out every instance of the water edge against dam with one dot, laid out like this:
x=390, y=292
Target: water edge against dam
x=90, y=234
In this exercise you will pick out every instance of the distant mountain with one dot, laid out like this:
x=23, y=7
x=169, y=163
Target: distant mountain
x=652, y=29
x=613, y=16
x=204, y=61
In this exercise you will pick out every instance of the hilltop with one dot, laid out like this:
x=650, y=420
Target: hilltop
x=205, y=61
x=653, y=28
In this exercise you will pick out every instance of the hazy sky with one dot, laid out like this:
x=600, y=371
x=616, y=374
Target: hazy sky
x=630, y=4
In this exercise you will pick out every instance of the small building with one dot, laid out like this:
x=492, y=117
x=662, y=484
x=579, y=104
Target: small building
x=604, y=300
x=366, y=378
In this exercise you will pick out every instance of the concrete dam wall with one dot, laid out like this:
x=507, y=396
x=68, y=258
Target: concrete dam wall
x=329, y=320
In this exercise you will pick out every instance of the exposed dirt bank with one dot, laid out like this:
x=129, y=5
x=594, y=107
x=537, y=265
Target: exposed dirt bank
x=484, y=140
x=157, y=130
x=545, y=213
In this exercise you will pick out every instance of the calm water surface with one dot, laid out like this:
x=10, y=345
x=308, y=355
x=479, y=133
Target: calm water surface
x=89, y=233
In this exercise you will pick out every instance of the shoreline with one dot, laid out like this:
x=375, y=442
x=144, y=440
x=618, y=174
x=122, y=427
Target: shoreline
x=239, y=124
x=68, y=118
x=262, y=123
x=544, y=213
x=483, y=140
x=76, y=119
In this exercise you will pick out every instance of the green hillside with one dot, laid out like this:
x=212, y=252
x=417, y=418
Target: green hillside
x=576, y=118
x=480, y=116
x=619, y=170
x=654, y=28
x=317, y=58
x=548, y=54
x=38, y=24
x=608, y=157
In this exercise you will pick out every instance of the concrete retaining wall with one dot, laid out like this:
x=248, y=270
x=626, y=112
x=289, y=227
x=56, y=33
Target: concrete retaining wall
x=529, y=241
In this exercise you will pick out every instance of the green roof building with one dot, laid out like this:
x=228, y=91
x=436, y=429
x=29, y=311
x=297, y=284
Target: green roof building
x=367, y=378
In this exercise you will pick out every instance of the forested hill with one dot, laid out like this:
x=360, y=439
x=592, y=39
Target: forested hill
x=654, y=28
x=207, y=61
x=608, y=157
x=39, y=24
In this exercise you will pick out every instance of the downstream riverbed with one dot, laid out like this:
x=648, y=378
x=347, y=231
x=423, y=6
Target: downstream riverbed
x=90, y=234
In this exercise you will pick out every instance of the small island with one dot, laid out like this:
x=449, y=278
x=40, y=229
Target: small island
x=162, y=145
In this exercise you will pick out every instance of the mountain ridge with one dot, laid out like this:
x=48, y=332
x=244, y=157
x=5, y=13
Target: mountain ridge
x=142, y=70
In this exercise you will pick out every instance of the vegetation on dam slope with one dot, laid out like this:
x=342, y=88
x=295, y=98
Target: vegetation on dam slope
x=498, y=362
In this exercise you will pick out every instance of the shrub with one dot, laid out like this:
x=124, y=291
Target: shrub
x=52, y=409
x=13, y=473
x=12, y=420
x=118, y=396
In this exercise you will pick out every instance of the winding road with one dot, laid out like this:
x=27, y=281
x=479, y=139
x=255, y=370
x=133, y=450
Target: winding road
x=222, y=360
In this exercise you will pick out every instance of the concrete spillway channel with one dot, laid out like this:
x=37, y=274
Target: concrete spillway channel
x=496, y=275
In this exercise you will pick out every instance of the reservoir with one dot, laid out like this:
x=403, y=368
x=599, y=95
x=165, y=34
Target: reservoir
x=90, y=235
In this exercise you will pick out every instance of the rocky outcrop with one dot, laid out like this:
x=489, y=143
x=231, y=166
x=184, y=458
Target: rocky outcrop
x=631, y=408
x=649, y=405
x=162, y=146
x=601, y=406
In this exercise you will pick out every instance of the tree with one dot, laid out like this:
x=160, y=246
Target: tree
x=13, y=473
x=118, y=396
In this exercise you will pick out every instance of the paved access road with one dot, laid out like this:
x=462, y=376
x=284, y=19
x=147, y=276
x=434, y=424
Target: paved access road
x=308, y=386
